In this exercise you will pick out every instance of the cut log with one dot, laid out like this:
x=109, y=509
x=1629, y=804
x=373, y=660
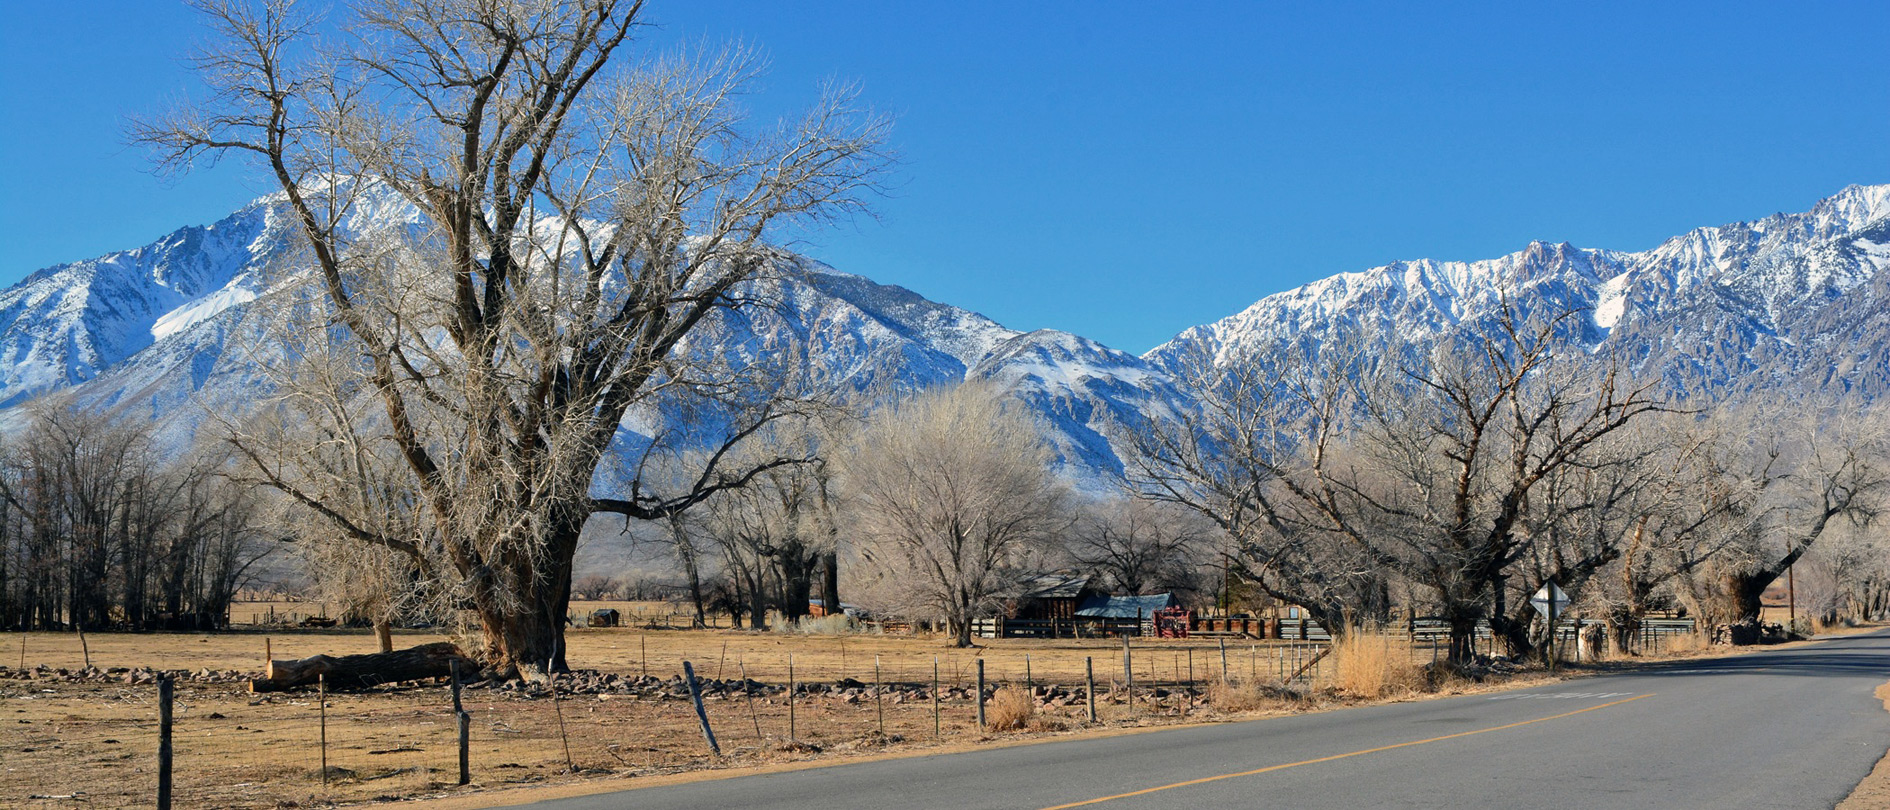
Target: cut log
x=365, y=671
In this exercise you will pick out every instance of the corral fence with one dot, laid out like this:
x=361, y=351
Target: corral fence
x=1235, y=627
x=1654, y=635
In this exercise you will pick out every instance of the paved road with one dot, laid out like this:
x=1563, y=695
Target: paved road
x=1791, y=728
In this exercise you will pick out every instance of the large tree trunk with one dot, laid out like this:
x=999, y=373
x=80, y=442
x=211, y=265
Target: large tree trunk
x=1624, y=623
x=525, y=631
x=830, y=582
x=1463, y=634
x=1514, y=631
x=365, y=671
x=797, y=583
x=1739, y=597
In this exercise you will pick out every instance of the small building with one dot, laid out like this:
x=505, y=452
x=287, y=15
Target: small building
x=606, y=617
x=818, y=608
x=1126, y=607
x=1044, y=597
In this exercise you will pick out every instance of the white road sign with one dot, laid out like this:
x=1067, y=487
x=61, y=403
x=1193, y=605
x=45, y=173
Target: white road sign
x=1550, y=594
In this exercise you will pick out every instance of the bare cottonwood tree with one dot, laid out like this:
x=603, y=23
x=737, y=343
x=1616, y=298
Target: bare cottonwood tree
x=1334, y=478
x=1141, y=546
x=573, y=224
x=776, y=533
x=1815, y=466
x=948, y=496
x=1661, y=503
x=1237, y=457
x=98, y=530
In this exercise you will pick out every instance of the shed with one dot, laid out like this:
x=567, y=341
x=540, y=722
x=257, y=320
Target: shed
x=606, y=617
x=1125, y=607
x=1051, y=596
x=818, y=608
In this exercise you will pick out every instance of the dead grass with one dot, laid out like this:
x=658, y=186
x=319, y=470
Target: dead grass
x=1685, y=643
x=835, y=625
x=1240, y=697
x=1010, y=709
x=1370, y=667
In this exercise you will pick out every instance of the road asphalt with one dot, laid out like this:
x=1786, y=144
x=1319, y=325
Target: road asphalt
x=1787, y=728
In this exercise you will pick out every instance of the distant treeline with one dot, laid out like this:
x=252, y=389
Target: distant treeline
x=98, y=530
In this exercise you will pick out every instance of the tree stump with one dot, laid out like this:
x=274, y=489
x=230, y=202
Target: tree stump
x=365, y=671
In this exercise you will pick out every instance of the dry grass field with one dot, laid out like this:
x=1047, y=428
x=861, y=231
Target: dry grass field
x=96, y=739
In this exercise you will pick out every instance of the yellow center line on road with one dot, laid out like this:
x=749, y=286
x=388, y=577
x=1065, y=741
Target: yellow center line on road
x=1255, y=771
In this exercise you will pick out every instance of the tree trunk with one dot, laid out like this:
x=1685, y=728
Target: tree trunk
x=690, y=568
x=757, y=601
x=961, y=633
x=1514, y=631
x=525, y=631
x=1624, y=623
x=830, y=582
x=1463, y=634
x=1739, y=596
x=797, y=583
x=365, y=671
x=384, y=632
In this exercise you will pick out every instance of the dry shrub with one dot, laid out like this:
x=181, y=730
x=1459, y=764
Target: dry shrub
x=1011, y=708
x=836, y=624
x=1243, y=697
x=1374, y=666
x=1046, y=723
x=1683, y=642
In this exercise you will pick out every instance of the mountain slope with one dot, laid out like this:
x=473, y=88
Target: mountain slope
x=172, y=332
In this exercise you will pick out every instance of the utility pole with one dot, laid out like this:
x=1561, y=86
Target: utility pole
x=1791, y=598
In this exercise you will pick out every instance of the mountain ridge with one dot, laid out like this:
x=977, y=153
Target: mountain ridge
x=161, y=331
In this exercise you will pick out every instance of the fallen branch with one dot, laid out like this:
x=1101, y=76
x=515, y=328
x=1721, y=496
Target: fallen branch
x=364, y=671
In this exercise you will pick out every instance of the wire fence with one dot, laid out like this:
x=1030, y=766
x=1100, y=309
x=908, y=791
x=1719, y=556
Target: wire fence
x=77, y=733
x=91, y=735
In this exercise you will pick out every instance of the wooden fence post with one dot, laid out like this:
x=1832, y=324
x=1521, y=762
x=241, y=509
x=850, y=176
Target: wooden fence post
x=166, y=690
x=1128, y=674
x=981, y=694
x=750, y=695
x=321, y=687
x=695, y=695
x=790, y=698
x=879, y=697
x=1089, y=674
x=551, y=682
x=464, y=722
x=935, y=722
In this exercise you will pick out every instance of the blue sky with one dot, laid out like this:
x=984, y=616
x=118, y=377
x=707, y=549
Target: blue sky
x=1124, y=171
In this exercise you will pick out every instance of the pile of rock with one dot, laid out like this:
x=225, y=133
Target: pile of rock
x=1750, y=631
x=130, y=675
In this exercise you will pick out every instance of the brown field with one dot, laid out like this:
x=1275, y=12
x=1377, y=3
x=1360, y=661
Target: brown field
x=234, y=749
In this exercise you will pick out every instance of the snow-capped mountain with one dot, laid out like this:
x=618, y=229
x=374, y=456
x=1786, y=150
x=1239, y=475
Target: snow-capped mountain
x=170, y=332
x=1789, y=300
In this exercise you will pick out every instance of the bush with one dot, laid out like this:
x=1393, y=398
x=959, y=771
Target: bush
x=837, y=624
x=1244, y=697
x=1374, y=666
x=1011, y=708
x=1683, y=642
